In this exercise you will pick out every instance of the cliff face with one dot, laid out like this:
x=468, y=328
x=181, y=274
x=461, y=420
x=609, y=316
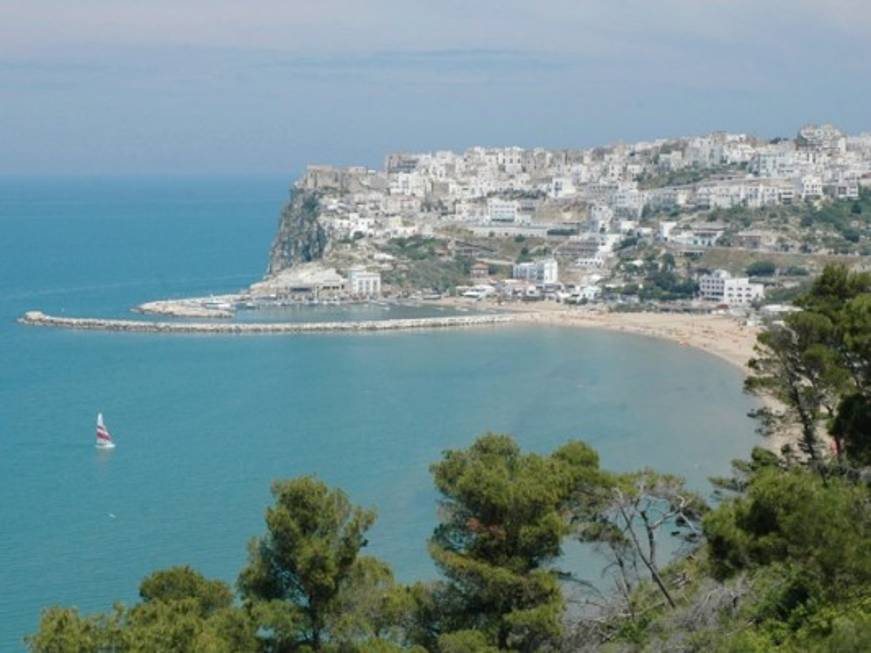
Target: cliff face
x=301, y=237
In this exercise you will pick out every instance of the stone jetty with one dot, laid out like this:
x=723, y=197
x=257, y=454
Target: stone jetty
x=38, y=318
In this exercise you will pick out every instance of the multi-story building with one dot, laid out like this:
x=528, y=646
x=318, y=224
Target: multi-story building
x=705, y=234
x=811, y=187
x=722, y=287
x=822, y=137
x=500, y=210
x=541, y=272
x=362, y=283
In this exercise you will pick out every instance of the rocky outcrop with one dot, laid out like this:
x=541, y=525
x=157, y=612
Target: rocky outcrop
x=301, y=237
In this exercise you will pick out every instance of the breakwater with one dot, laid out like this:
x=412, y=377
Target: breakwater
x=38, y=318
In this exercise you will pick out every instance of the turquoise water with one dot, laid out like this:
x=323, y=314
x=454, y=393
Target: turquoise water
x=205, y=423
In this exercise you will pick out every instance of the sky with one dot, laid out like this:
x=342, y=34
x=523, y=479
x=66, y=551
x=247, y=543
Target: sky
x=268, y=86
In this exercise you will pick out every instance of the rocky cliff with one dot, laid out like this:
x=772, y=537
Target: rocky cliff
x=301, y=237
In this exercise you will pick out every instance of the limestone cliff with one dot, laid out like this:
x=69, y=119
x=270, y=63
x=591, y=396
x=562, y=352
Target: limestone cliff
x=301, y=237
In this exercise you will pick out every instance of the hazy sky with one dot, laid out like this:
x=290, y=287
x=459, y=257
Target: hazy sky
x=128, y=86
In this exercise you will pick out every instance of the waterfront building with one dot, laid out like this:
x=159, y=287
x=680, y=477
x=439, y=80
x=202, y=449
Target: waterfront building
x=722, y=287
x=362, y=283
x=480, y=291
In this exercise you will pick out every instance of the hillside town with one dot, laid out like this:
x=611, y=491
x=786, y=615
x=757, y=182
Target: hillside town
x=630, y=222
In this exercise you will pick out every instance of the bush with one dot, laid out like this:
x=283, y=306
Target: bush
x=820, y=526
x=797, y=271
x=761, y=269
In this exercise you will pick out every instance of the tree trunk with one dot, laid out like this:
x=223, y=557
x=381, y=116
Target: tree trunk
x=651, y=563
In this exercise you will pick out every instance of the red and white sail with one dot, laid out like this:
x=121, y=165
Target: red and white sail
x=104, y=438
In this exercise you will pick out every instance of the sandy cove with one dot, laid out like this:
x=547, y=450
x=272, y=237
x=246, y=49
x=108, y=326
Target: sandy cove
x=720, y=335
x=724, y=336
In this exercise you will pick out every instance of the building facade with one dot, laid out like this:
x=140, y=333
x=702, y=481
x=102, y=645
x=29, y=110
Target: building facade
x=545, y=271
x=723, y=288
x=362, y=283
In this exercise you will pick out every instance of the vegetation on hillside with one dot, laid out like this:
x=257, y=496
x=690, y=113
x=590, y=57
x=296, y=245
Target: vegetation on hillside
x=685, y=176
x=425, y=263
x=836, y=227
x=781, y=561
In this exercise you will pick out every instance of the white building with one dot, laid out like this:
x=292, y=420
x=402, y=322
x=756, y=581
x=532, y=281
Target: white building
x=601, y=217
x=590, y=293
x=500, y=210
x=723, y=288
x=362, y=283
x=480, y=291
x=811, y=187
x=594, y=262
x=562, y=187
x=544, y=271
x=700, y=235
x=665, y=229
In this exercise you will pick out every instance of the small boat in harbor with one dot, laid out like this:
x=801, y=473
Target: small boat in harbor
x=104, y=438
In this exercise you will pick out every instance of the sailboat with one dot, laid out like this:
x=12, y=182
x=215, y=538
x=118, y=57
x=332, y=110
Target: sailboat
x=104, y=439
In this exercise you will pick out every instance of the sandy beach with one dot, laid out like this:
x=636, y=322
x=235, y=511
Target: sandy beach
x=720, y=335
x=723, y=336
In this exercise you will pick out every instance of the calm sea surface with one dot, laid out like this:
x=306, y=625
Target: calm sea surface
x=205, y=423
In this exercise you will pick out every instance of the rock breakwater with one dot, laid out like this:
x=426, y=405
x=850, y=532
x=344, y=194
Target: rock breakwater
x=38, y=318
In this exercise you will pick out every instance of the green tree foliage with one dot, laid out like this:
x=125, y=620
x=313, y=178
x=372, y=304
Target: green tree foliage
x=465, y=641
x=849, y=218
x=503, y=518
x=179, y=583
x=817, y=364
x=665, y=285
x=803, y=542
x=181, y=612
x=680, y=177
x=305, y=582
x=64, y=630
x=851, y=428
x=796, y=365
x=845, y=299
x=761, y=269
x=796, y=517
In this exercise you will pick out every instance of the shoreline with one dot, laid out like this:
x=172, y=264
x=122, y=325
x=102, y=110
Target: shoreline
x=719, y=335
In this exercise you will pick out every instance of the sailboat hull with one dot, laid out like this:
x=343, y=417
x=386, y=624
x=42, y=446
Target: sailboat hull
x=104, y=440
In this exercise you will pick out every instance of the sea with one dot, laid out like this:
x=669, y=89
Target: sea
x=205, y=424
